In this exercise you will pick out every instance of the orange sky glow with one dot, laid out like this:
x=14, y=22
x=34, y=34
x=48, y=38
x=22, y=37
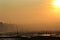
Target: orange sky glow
x=29, y=12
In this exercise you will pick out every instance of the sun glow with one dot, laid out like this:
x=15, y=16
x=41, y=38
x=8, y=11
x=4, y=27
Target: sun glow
x=56, y=3
x=56, y=6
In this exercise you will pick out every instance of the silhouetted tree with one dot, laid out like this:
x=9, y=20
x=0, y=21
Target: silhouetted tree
x=1, y=26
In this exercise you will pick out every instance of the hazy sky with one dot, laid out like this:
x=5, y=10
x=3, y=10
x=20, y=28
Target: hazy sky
x=28, y=12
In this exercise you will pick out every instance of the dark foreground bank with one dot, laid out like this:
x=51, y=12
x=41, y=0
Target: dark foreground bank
x=32, y=38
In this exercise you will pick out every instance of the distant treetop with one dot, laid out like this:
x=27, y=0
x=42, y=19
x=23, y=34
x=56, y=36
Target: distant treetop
x=1, y=22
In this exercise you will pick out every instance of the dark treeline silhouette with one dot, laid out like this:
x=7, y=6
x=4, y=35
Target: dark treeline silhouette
x=25, y=36
x=6, y=28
